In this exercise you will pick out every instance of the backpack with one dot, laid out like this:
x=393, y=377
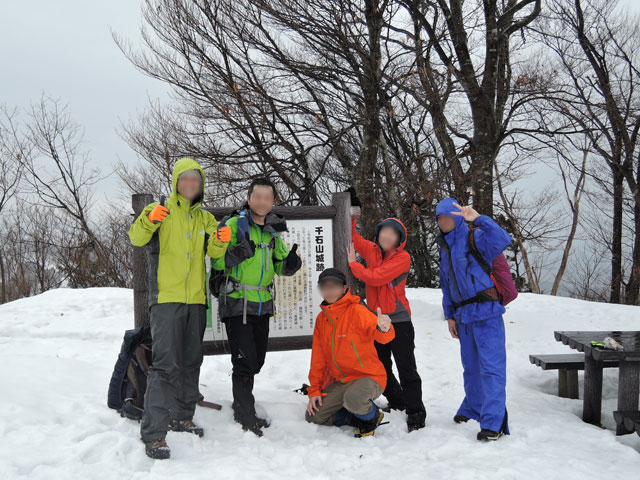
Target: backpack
x=129, y=379
x=499, y=271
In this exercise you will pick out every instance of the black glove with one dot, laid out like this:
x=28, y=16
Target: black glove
x=239, y=252
x=292, y=262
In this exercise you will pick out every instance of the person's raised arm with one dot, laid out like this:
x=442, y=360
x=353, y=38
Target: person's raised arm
x=364, y=247
x=377, y=325
x=219, y=236
x=286, y=262
x=143, y=228
x=384, y=273
x=490, y=239
x=220, y=263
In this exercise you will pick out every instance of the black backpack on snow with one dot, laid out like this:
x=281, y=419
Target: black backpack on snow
x=129, y=379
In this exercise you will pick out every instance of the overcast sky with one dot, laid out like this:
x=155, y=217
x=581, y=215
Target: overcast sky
x=64, y=48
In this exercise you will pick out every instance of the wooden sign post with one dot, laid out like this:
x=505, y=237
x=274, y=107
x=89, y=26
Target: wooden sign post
x=140, y=268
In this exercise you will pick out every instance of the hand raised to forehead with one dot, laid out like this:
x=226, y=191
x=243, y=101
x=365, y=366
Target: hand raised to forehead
x=468, y=213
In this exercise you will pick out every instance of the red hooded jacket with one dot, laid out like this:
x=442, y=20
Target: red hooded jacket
x=384, y=276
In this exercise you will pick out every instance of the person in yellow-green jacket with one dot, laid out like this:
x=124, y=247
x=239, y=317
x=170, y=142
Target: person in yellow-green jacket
x=177, y=235
x=243, y=284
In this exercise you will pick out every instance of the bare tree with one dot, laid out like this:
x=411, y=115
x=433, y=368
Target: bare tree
x=12, y=150
x=600, y=97
x=61, y=181
x=448, y=33
x=304, y=91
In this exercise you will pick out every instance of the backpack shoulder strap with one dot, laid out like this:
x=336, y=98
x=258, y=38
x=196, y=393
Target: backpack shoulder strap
x=473, y=250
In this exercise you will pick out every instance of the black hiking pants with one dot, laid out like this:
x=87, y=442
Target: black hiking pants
x=408, y=392
x=248, y=345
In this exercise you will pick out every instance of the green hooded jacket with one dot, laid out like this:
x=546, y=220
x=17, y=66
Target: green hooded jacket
x=176, y=246
x=259, y=270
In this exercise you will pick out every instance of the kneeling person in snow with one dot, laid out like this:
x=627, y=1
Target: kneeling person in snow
x=346, y=375
x=177, y=236
x=471, y=306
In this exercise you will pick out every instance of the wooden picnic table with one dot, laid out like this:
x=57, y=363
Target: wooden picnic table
x=594, y=358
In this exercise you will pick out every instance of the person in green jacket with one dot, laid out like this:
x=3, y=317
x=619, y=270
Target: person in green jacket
x=255, y=255
x=177, y=235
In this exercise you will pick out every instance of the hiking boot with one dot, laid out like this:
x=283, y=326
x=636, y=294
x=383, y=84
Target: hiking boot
x=460, y=419
x=344, y=417
x=157, y=449
x=263, y=422
x=252, y=424
x=186, y=426
x=416, y=421
x=243, y=405
x=485, y=435
x=253, y=428
x=366, y=428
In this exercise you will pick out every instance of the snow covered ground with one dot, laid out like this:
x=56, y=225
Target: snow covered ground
x=57, y=352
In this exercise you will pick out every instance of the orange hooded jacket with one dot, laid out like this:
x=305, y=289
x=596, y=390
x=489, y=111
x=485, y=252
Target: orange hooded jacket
x=343, y=346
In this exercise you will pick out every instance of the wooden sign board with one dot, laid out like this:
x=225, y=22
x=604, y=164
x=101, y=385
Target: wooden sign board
x=322, y=234
x=297, y=300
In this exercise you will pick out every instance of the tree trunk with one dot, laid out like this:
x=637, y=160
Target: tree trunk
x=633, y=286
x=533, y=283
x=575, y=210
x=616, y=239
x=363, y=175
x=3, y=293
x=482, y=180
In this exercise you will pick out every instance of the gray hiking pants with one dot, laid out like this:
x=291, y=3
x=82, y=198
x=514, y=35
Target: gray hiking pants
x=172, y=385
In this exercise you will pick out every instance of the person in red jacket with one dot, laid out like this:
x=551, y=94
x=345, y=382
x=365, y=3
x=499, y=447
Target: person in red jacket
x=346, y=375
x=385, y=276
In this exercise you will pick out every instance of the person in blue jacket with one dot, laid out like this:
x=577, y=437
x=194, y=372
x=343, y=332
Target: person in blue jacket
x=474, y=313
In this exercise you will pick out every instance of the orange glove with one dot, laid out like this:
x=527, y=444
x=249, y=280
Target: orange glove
x=223, y=234
x=158, y=214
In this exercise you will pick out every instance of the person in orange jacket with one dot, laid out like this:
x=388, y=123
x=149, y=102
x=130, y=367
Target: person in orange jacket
x=385, y=276
x=346, y=375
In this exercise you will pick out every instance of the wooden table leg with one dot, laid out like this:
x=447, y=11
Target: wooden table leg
x=628, y=390
x=563, y=388
x=572, y=383
x=567, y=383
x=592, y=403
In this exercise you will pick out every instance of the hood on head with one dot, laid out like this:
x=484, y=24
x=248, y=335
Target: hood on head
x=445, y=207
x=395, y=224
x=183, y=165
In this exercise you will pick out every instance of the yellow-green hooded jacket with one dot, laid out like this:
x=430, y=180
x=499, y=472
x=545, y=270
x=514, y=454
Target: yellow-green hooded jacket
x=176, y=246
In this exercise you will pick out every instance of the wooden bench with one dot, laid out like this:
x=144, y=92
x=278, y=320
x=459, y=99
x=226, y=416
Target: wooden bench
x=567, y=365
x=630, y=421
